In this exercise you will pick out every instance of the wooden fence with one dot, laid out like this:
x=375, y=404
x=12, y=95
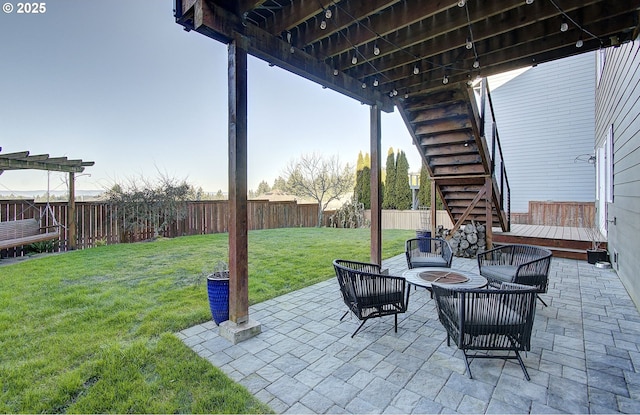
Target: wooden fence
x=410, y=219
x=97, y=222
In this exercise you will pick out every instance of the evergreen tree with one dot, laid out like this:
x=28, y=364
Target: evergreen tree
x=367, y=160
x=402, y=188
x=389, y=200
x=360, y=163
x=279, y=184
x=263, y=188
x=424, y=194
x=363, y=187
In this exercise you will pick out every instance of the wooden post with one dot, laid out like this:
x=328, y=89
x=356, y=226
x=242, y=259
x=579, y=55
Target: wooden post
x=376, y=181
x=238, y=230
x=434, y=208
x=488, y=184
x=72, y=237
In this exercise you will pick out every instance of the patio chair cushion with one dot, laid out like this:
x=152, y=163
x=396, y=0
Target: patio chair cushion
x=504, y=273
x=429, y=262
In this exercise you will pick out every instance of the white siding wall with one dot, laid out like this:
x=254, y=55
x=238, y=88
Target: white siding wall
x=618, y=104
x=545, y=119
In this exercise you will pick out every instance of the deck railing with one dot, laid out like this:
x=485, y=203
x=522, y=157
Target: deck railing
x=498, y=168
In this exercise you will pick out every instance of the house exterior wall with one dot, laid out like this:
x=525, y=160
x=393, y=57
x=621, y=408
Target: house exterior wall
x=545, y=119
x=618, y=105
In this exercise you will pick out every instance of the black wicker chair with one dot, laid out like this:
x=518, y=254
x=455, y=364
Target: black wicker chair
x=428, y=252
x=488, y=319
x=520, y=264
x=368, y=293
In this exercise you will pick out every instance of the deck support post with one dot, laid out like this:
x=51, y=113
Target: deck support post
x=238, y=328
x=376, y=183
x=72, y=238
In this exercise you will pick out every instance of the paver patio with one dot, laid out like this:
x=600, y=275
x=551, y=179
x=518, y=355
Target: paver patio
x=585, y=355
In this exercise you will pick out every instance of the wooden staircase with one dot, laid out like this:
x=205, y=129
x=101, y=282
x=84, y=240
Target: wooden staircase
x=466, y=167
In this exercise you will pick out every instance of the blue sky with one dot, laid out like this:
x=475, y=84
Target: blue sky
x=120, y=83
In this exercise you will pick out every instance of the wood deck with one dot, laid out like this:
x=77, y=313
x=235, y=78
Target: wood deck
x=564, y=241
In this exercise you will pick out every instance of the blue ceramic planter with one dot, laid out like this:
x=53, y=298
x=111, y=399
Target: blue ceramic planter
x=218, y=290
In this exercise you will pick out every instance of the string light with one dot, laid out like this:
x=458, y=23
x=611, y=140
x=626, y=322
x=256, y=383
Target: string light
x=476, y=64
x=354, y=60
x=579, y=43
x=416, y=70
x=375, y=82
x=469, y=45
x=528, y=1
x=445, y=80
x=327, y=13
x=335, y=72
x=461, y=3
x=323, y=25
x=376, y=49
x=564, y=27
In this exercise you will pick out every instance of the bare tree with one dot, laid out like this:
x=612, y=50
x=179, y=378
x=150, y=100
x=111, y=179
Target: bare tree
x=322, y=179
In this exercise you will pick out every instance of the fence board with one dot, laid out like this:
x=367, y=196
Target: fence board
x=97, y=221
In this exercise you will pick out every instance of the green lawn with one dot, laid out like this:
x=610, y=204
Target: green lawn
x=92, y=331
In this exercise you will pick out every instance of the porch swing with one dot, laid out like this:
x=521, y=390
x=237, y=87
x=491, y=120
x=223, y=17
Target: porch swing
x=19, y=232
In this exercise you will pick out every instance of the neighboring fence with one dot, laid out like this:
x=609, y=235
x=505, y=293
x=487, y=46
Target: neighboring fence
x=410, y=219
x=97, y=222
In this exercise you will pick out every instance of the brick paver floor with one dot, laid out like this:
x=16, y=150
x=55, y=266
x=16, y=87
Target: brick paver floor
x=585, y=355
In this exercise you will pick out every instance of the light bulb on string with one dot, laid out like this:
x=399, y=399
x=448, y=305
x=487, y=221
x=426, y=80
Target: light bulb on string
x=476, y=64
x=394, y=92
x=564, y=27
x=376, y=50
x=469, y=45
x=375, y=82
x=528, y=1
x=327, y=13
x=292, y=49
x=354, y=60
x=579, y=43
x=461, y=3
x=335, y=72
x=445, y=80
x=323, y=25
x=406, y=95
x=364, y=85
x=416, y=70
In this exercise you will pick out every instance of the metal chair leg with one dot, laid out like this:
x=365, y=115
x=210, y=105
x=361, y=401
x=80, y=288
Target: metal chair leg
x=358, y=329
x=524, y=369
x=541, y=300
x=344, y=315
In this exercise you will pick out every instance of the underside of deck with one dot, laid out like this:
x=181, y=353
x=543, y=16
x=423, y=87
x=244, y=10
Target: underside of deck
x=563, y=241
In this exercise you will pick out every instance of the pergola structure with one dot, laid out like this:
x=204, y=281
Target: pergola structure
x=23, y=161
x=394, y=54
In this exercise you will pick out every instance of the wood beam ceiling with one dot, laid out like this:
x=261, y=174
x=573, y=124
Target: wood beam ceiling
x=506, y=34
